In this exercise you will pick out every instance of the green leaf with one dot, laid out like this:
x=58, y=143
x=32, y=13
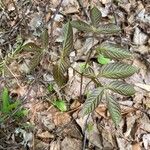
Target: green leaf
x=95, y=16
x=113, y=51
x=59, y=70
x=68, y=40
x=93, y=100
x=108, y=29
x=21, y=113
x=31, y=47
x=14, y=105
x=45, y=39
x=60, y=104
x=50, y=88
x=90, y=127
x=122, y=88
x=114, y=109
x=81, y=26
x=117, y=70
x=5, y=101
x=102, y=60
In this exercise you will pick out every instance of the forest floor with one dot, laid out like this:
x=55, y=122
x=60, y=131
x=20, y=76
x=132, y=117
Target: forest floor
x=28, y=77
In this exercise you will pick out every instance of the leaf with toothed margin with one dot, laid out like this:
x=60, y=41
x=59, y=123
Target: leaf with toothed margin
x=95, y=16
x=45, y=39
x=81, y=26
x=31, y=47
x=68, y=40
x=121, y=88
x=114, y=109
x=113, y=51
x=117, y=70
x=108, y=29
x=59, y=71
x=93, y=100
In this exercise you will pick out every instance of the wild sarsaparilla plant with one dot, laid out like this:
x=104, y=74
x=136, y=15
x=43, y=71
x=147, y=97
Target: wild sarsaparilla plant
x=116, y=70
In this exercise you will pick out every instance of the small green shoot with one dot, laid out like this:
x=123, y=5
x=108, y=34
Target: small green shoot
x=50, y=88
x=90, y=127
x=60, y=104
x=103, y=60
x=8, y=107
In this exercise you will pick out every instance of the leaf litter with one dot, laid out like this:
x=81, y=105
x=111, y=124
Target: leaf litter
x=47, y=121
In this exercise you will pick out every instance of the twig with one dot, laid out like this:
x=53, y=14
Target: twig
x=112, y=7
x=142, y=110
x=52, y=20
x=87, y=60
x=84, y=133
x=15, y=8
x=84, y=11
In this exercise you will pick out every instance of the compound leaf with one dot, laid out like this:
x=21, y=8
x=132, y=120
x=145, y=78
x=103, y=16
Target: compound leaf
x=81, y=26
x=114, y=109
x=108, y=29
x=117, y=70
x=93, y=100
x=68, y=40
x=122, y=88
x=113, y=51
x=95, y=16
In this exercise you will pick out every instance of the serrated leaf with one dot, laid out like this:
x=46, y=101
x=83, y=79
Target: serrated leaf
x=108, y=29
x=68, y=40
x=61, y=105
x=81, y=26
x=31, y=47
x=114, y=109
x=45, y=39
x=117, y=70
x=113, y=51
x=59, y=76
x=102, y=60
x=5, y=101
x=35, y=60
x=93, y=100
x=59, y=70
x=95, y=16
x=122, y=88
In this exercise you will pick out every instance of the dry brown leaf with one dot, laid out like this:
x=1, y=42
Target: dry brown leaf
x=101, y=110
x=139, y=37
x=55, y=145
x=45, y=135
x=75, y=104
x=136, y=146
x=61, y=118
x=143, y=86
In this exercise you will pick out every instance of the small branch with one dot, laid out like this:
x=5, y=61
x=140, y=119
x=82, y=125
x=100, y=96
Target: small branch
x=15, y=8
x=52, y=20
x=84, y=133
x=83, y=9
